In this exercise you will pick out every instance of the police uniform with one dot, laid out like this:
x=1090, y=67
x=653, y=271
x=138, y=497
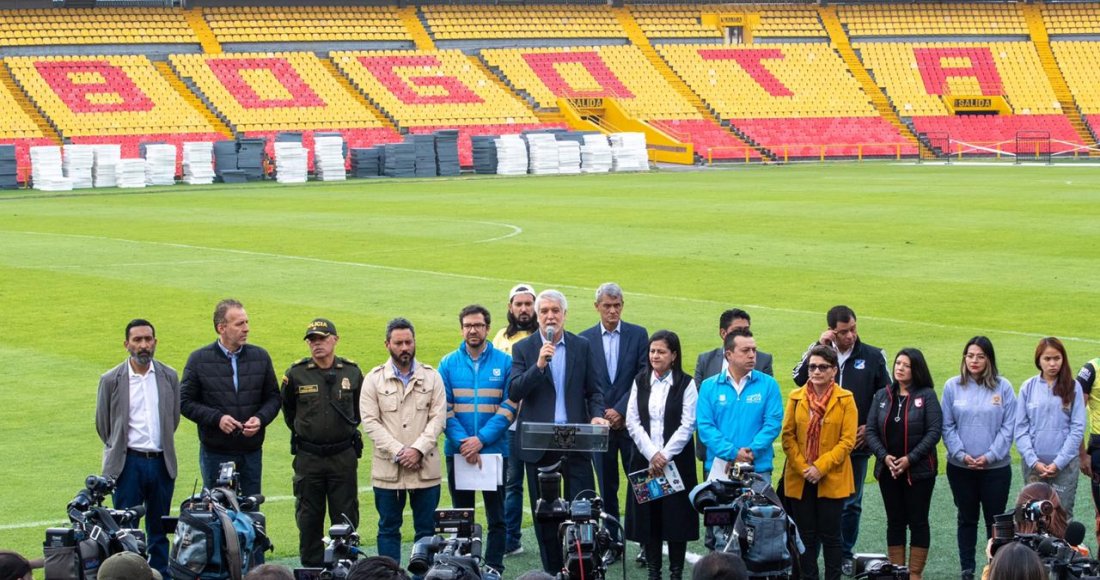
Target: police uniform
x=321, y=407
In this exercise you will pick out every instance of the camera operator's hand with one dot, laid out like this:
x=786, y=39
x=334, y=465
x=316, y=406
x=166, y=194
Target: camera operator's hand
x=657, y=464
x=251, y=426
x=812, y=474
x=228, y=424
x=409, y=458
x=471, y=447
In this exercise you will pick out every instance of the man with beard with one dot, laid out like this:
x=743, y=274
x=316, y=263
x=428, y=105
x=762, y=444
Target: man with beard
x=863, y=371
x=521, y=324
x=136, y=414
x=478, y=414
x=321, y=407
x=230, y=391
x=403, y=406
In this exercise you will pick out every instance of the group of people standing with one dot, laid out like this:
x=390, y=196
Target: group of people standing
x=848, y=406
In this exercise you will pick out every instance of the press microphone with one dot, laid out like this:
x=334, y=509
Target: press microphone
x=550, y=330
x=1075, y=533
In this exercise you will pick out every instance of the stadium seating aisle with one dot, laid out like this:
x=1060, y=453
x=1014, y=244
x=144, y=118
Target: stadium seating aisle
x=19, y=129
x=1077, y=61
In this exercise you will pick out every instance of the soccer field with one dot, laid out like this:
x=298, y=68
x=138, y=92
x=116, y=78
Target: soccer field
x=927, y=256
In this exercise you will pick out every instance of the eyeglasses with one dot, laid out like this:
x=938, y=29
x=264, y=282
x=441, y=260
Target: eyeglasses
x=822, y=368
x=475, y=326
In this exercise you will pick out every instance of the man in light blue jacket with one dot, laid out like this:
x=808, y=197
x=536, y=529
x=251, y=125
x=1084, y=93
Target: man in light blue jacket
x=475, y=377
x=740, y=410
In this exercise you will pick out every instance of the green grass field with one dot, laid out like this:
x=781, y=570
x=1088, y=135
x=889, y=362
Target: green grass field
x=927, y=256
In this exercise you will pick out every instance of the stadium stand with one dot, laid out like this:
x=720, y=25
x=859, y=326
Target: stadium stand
x=260, y=94
x=933, y=19
x=109, y=99
x=1077, y=62
x=455, y=21
x=81, y=26
x=789, y=98
x=684, y=20
x=1071, y=18
x=19, y=127
x=621, y=72
x=917, y=76
x=304, y=23
x=427, y=91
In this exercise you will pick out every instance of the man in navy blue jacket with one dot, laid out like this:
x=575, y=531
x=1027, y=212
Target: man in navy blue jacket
x=622, y=350
x=229, y=390
x=556, y=381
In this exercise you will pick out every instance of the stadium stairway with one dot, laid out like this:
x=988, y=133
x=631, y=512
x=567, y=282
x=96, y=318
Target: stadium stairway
x=637, y=37
x=169, y=75
x=1039, y=37
x=48, y=130
x=207, y=40
x=881, y=102
x=495, y=79
x=410, y=17
x=362, y=99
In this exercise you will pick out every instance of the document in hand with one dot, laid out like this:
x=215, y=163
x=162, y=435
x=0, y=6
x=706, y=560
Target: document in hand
x=647, y=488
x=486, y=477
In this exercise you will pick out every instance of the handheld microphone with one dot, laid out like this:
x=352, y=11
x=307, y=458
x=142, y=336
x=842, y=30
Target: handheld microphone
x=550, y=331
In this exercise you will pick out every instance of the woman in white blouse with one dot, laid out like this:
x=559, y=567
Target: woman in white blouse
x=661, y=420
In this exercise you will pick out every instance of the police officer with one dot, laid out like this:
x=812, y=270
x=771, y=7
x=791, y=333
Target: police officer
x=321, y=407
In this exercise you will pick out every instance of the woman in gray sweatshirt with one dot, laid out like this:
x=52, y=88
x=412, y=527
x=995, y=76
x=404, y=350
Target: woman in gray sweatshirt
x=979, y=417
x=1050, y=423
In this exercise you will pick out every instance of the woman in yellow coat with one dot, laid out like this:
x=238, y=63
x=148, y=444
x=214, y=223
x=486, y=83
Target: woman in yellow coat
x=819, y=432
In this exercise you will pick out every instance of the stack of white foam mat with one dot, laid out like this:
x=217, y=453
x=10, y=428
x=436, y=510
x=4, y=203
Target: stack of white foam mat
x=198, y=163
x=628, y=152
x=542, y=149
x=46, y=169
x=78, y=164
x=160, y=164
x=106, y=165
x=511, y=155
x=328, y=158
x=290, y=162
x=569, y=157
x=130, y=173
x=595, y=154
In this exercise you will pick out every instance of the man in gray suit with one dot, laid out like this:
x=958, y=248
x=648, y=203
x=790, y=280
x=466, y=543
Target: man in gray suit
x=136, y=415
x=713, y=362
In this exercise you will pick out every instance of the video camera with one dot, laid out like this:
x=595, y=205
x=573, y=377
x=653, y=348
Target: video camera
x=341, y=552
x=95, y=533
x=587, y=545
x=1061, y=558
x=455, y=558
x=877, y=567
x=746, y=517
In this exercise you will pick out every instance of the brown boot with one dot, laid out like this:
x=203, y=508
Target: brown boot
x=917, y=558
x=896, y=555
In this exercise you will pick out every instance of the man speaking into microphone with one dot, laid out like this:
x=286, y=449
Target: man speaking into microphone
x=554, y=375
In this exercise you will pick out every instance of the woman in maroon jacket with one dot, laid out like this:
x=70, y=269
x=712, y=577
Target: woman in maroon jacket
x=903, y=426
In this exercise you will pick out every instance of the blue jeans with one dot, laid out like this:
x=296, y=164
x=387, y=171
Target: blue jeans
x=250, y=467
x=390, y=504
x=494, y=514
x=513, y=497
x=146, y=481
x=853, y=506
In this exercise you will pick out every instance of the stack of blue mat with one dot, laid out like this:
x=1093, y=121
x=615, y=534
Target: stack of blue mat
x=8, y=178
x=399, y=160
x=366, y=162
x=485, y=154
x=250, y=157
x=446, y=152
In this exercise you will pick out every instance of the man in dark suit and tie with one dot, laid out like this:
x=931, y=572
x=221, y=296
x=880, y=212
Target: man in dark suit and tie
x=622, y=351
x=137, y=412
x=713, y=362
x=557, y=382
